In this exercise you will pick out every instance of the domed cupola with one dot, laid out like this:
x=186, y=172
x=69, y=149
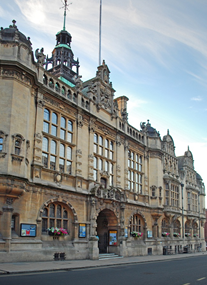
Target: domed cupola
x=12, y=34
x=62, y=59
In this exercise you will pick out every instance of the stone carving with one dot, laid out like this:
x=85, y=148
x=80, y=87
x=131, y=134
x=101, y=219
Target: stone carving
x=124, y=115
x=80, y=120
x=105, y=99
x=118, y=140
x=9, y=201
x=78, y=84
x=17, y=75
x=40, y=56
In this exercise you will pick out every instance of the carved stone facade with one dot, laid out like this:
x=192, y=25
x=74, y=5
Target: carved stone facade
x=69, y=159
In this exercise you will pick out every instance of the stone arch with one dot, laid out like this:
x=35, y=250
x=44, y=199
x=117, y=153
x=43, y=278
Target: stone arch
x=137, y=213
x=60, y=200
x=109, y=207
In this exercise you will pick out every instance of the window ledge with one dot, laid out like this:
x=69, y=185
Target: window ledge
x=3, y=154
x=17, y=157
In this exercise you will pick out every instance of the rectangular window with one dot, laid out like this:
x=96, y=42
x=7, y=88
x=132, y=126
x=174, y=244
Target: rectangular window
x=135, y=167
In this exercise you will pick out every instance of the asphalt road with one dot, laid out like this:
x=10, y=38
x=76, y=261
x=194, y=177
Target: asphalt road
x=186, y=271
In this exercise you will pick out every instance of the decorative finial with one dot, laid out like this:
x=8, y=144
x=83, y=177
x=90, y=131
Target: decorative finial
x=66, y=5
x=168, y=132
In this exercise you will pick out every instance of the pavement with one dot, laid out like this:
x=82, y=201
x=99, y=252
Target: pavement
x=67, y=265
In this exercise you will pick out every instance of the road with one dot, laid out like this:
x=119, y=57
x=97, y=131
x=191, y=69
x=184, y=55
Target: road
x=184, y=271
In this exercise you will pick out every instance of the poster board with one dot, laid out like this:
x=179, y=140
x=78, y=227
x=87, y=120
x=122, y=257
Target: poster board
x=113, y=238
x=82, y=230
x=28, y=230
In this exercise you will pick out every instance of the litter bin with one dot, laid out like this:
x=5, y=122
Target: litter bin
x=185, y=249
x=164, y=250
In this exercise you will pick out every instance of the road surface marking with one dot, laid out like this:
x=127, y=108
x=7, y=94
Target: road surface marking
x=201, y=278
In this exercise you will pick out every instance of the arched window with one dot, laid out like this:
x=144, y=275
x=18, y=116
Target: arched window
x=63, y=91
x=44, y=79
x=57, y=87
x=136, y=224
x=187, y=228
x=69, y=96
x=195, y=229
x=57, y=215
x=51, y=83
x=165, y=227
x=176, y=227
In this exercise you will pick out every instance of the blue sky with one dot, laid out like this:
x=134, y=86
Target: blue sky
x=156, y=51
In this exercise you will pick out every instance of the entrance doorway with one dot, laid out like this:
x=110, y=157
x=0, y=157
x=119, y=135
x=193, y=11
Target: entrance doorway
x=106, y=221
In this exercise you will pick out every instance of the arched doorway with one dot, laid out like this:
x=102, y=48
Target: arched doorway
x=107, y=231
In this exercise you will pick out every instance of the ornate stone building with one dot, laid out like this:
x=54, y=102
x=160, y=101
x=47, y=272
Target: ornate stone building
x=69, y=159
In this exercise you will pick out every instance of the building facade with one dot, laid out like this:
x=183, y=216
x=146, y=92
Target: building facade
x=69, y=159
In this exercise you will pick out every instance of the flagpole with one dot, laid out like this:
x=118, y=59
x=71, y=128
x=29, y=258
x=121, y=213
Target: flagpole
x=100, y=32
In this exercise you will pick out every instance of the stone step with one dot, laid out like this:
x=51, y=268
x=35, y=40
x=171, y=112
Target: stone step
x=109, y=256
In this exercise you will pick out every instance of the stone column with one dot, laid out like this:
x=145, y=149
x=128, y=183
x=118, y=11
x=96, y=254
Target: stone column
x=6, y=225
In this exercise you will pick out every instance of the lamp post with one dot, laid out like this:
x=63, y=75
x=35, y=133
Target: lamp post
x=182, y=185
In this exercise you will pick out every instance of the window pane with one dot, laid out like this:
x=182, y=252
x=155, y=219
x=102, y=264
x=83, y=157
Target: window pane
x=46, y=115
x=52, y=223
x=100, y=164
x=100, y=150
x=53, y=147
x=65, y=225
x=62, y=134
x=107, y=143
x=69, y=153
x=100, y=140
x=54, y=130
x=44, y=225
x=95, y=175
x=95, y=162
x=70, y=137
x=106, y=166
x=45, y=144
x=111, y=168
x=65, y=214
x=63, y=123
x=58, y=211
x=111, y=155
x=95, y=138
x=111, y=145
x=59, y=224
x=1, y=147
x=52, y=162
x=69, y=167
x=106, y=153
x=54, y=118
x=52, y=210
x=95, y=148
x=62, y=150
x=61, y=164
x=45, y=160
x=46, y=127
x=45, y=212
x=70, y=126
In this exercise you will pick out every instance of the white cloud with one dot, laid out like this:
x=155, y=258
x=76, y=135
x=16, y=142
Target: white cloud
x=198, y=98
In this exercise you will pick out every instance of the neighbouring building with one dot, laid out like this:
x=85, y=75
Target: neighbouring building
x=70, y=159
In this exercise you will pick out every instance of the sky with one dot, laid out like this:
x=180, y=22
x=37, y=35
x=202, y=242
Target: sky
x=156, y=51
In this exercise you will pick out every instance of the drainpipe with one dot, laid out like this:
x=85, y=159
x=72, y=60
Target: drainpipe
x=182, y=185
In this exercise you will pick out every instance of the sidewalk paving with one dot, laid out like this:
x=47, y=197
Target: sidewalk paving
x=32, y=267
